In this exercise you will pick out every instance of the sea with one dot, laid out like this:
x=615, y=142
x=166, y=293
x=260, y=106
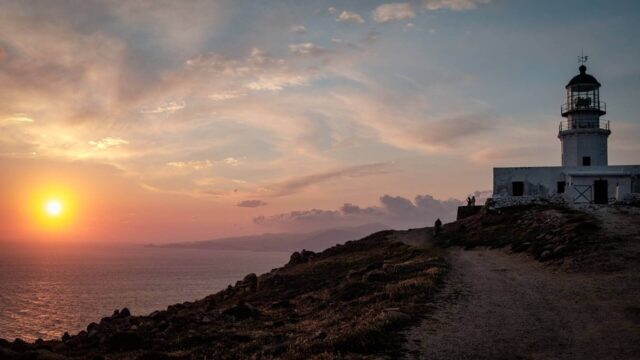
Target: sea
x=46, y=291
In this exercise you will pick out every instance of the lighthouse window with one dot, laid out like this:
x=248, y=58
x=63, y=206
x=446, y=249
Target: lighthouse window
x=517, y=188
x=586, y=161
x=561, y=185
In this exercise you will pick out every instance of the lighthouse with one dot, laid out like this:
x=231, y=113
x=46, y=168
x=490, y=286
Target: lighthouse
x=584, y=134
x=585, y=176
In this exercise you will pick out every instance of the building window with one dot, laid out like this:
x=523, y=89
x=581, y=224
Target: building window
x=517, y=188
x=561, y=185
x=586, y=161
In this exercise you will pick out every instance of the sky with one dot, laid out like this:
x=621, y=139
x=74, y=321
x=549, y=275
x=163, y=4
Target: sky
x=160, y=121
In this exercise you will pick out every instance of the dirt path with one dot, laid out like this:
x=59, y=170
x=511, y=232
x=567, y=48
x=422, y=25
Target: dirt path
x=501, y=306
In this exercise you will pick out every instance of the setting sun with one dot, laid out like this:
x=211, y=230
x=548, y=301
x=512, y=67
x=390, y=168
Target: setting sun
x=54, y=208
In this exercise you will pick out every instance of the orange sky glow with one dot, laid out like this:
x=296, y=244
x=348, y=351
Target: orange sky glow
x=181, y=121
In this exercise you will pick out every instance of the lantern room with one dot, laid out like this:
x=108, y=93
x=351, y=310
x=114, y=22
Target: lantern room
x=583, y=94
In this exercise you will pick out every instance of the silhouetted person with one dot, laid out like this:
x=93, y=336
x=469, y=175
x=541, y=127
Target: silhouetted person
x=473, y=200
x=468, y=201
x=437, y=226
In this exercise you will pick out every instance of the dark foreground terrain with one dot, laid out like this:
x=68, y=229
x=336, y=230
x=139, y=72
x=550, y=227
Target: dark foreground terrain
x=564, y=284
x=535, y=282
x=346, y=302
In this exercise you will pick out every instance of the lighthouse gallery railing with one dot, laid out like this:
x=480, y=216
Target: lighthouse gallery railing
x=578, y=124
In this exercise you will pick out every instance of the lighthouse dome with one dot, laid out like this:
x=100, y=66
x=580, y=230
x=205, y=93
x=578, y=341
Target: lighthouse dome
x=583, y=80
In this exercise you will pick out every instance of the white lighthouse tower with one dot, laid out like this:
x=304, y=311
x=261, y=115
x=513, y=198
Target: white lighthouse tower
x=584, y=135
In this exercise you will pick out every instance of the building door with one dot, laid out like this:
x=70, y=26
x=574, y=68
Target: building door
x=600, y=192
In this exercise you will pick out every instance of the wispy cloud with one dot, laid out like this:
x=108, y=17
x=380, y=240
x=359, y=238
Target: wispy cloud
x=297, y=184
x=169, y=107
x=19, y=118
x=298, y=29
x=108, y=143
x=456, y=5
x=307, y=49
x=393, y=12
x=350, y=16
x=193, y=164
x=251, y=203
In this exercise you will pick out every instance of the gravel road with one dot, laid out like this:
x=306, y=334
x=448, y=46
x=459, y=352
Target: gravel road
x=501, y=306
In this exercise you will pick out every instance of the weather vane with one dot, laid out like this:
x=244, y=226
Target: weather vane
x=582, y=58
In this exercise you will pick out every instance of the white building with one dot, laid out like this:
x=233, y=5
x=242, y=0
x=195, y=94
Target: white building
x=585, y=175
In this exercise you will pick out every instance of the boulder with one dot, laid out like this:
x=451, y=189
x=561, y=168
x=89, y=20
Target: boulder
x=124, y=341
x=242, y=311
x=374, y=276
x=301, y=257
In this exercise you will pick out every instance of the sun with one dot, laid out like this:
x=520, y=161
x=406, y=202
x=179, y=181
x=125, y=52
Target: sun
x=54, y=208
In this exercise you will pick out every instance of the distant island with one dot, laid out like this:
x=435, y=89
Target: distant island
x=288, y=242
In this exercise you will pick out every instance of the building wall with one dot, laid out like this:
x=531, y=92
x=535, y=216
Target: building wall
x=538, y=181
x=543, y=181
x=584, y=142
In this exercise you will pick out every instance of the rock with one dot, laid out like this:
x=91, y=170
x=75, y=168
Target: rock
x=125, y=312
x=116, y=313
x=284, y=304
x=559, y=250
x=242, y=311
x=320, y=335
x=124, y=341
x=546, y=255
x=206, y=320
x=66, y=337
x=395, y=316
x=374, y=275
x=92, y=326
x=20, y=345
x=301, y=257
x=434, y=271
x=153, y=355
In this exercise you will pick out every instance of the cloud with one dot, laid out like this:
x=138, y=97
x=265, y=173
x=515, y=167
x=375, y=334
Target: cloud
x=193, y=164
x=451, y=130
x=169, y=107
x=456, y=5
x=277, y=82
x=332, y=10
x=396, y=211
x=307, y=49
x=350, y=16
x=299, y=183
x=251, y=203
x=298, y=29
x=231, y=161
x=18, y=118
x=227, y=95
x=393, y=12
x=108, y=143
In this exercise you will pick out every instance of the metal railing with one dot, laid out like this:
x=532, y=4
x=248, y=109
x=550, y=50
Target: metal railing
x=577, y=105
x=583, y=124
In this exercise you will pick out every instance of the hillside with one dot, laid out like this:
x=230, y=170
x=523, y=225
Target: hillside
x=525, y=282
x=344, y=302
